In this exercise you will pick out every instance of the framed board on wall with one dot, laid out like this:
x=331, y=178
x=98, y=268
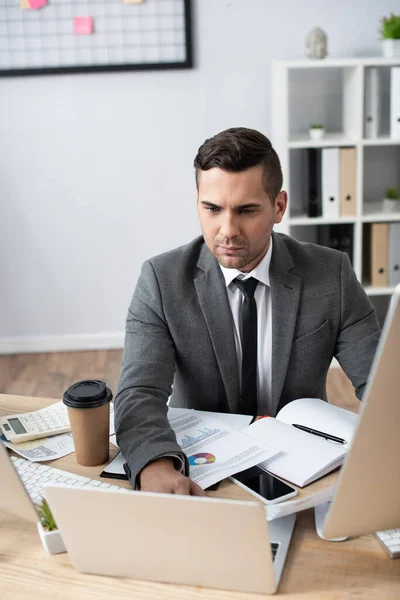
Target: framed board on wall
x=40, y=37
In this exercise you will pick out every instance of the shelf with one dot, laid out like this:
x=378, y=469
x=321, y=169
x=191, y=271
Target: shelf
x=337, y=139
x=373, y=212
x=378, y=291
x=306, y=63
x=329, y=139
x=383, y=140
x=305, y=220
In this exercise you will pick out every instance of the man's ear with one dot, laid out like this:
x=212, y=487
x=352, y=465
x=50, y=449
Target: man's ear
x=280, y=206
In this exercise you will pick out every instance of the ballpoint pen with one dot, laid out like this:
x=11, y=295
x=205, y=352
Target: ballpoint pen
x=327, y=436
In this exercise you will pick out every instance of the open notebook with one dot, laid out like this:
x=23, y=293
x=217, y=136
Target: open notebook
x=304, y=456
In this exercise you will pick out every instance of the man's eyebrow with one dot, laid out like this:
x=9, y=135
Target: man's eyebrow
x=249, y=205
x=239, y=207
x=206, y=203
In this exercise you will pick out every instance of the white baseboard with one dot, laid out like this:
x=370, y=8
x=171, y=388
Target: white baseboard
x=61, y=343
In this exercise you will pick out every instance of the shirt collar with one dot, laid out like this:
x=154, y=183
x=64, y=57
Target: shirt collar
x=260, y=272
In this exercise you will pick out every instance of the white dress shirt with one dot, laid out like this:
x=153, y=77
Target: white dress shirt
x=262, y=297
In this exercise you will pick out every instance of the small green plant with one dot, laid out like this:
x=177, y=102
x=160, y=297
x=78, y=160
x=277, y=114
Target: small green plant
x=390, y=27
x=392, y=193
x=46, y=516
x=316, y=126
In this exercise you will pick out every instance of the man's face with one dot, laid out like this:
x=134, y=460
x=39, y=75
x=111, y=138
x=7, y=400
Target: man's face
x=237, y=216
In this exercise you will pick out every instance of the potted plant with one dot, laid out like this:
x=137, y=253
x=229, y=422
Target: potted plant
x=390, y=35
x=391, y=201
x=316, y=131
x=47, y=528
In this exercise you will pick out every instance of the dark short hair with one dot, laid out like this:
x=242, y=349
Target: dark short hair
x=237, y=149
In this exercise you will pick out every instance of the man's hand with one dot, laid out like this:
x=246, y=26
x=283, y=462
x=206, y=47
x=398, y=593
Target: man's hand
x=161, y=476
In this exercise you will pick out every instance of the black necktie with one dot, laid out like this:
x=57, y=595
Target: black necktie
x=248, y=397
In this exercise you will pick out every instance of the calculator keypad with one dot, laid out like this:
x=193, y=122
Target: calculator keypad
x=48, y=421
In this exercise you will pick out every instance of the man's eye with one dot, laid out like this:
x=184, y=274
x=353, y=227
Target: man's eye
x=247, y=211
x=212, y=209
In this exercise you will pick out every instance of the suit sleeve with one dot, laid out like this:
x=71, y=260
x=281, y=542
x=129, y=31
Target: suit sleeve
x=148, y=366
x=359, y=329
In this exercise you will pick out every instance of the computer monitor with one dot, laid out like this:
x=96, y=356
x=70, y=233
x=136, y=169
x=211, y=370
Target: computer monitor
x=367, y=496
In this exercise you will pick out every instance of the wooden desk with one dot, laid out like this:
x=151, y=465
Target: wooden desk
x=315, y=569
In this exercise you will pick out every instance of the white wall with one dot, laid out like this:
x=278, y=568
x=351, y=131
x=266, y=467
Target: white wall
x=96, y=170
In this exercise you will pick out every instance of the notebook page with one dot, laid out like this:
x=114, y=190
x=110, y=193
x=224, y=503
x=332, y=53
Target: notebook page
x=304, y=457
x=320, y=415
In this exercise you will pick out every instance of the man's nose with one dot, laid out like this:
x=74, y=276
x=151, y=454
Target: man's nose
x=229, y=226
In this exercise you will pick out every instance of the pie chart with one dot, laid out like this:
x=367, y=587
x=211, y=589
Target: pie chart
x=202, y=458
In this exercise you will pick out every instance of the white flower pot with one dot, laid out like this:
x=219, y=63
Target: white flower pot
x=391, y=48
x=316, y=134
x=391, y=205
x=51, y=540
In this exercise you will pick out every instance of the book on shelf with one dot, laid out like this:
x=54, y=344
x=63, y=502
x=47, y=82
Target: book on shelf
x=314, y=200
x=347, y=182
x=372, y=102
x=379, y=254
x=395, y=103
x=305, y=457
x=330, y=182
x=394, y=254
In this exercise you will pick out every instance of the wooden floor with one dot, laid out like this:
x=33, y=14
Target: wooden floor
x=48, y=375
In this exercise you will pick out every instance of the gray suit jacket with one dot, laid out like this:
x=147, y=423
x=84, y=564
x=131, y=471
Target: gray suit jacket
x=179, y=331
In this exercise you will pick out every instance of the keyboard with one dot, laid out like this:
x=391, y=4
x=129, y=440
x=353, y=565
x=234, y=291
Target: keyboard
x=34, y=476
x=390, y=541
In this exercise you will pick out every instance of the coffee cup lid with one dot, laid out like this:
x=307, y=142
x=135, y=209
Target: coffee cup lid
x=89, y=393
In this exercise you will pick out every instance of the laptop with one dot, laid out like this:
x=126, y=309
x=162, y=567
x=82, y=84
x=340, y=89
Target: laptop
x=367, y=495
x=188, y=540
x=99, y=540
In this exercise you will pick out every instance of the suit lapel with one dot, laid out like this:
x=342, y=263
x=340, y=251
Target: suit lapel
x=285, y=290
x=214, y=303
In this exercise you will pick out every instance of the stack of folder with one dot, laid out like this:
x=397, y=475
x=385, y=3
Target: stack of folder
x=331, y=182
x=383, y=267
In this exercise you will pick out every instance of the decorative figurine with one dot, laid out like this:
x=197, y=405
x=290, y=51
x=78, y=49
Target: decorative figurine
x=316, y=43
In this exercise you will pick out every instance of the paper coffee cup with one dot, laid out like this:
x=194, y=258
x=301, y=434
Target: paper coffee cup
x=89, y=416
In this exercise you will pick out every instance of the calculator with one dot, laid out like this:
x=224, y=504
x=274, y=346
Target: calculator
x=45, y=422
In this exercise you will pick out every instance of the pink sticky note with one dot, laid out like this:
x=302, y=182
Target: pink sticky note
x=83, y=25
x=37, y=3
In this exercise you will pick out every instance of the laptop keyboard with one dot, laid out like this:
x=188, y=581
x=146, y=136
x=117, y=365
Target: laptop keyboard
x=34, y=476
x=274, y=549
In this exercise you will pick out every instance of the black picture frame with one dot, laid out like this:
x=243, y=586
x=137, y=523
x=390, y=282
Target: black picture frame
x=59, y=70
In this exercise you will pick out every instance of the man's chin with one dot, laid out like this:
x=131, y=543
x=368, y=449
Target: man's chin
x=231, y=262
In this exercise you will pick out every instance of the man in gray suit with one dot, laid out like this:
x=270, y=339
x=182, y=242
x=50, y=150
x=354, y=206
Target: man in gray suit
x=185, y=326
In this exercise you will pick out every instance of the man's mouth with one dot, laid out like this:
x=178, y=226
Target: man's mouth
x=228, y=249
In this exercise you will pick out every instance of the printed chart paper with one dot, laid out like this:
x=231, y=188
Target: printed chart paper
x=215, y=450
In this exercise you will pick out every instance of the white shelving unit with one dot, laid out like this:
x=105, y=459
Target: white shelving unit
x=331, y=92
